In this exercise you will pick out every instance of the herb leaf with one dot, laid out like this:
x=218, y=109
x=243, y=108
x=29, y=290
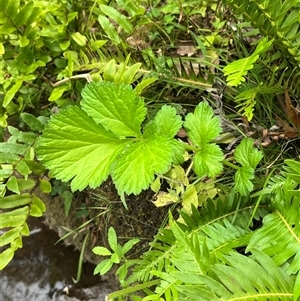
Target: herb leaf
x=117, y=107
x=75, y=148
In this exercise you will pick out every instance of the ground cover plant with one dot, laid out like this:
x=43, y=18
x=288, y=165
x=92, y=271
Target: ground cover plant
x=197, y=101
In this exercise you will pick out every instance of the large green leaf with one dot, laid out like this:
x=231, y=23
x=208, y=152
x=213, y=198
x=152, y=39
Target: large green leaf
x=118, y=108
x=135, y=170
x=75, y=148
x=201, y=126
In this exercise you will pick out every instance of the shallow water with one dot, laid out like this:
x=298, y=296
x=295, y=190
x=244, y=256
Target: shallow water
x=42, y=271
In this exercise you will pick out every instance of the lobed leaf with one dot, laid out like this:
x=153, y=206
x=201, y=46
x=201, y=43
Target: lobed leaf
x=165, y=123
x=135, y=170
x=117, y=108
x=242, y=179
x=246, y=154
x=202, y=127
x=207, y=161
x=75, y=148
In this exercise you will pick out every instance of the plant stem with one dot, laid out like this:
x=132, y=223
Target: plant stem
x=227, y=163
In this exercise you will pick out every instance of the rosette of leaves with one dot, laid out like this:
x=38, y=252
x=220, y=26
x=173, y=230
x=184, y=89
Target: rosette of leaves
x=104, y=137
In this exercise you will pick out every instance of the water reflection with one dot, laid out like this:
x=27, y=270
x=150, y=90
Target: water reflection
x=42, y=271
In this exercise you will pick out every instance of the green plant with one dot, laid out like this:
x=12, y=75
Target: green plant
x=244, y=262
x=106, y=136
x=20, y=175
x=275, y=71
x=116, y=257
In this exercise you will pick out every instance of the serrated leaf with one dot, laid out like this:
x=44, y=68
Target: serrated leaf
x=178, y=152
x=242, y=180
x=207, y=161
x=118, y=108
x=75, y=148
x=101, y=251
x=165, y=123
x=246, y=154
x=135, y=170
x=202, y=127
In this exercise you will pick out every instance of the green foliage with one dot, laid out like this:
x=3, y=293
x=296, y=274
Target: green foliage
x=116, y=257
x=213, y=266
x=279, y=23
x=202, y=128
x=277, y=20
x=106, y=137
x=108, y=130
x=237, y=70
x=249, y=158
x=18, y=182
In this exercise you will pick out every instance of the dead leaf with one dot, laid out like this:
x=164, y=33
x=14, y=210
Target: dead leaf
x=188, y=50
x=164, y=198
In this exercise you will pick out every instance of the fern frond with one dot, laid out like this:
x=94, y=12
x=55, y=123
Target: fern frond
x=17, y=163
x=278, y=20
x=157, y=258
x=237, y=279
x=237, y=70
x=279, y=236
x=203, y=229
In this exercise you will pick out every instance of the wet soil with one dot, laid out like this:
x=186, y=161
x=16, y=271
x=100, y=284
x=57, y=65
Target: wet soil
x=43, y=271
